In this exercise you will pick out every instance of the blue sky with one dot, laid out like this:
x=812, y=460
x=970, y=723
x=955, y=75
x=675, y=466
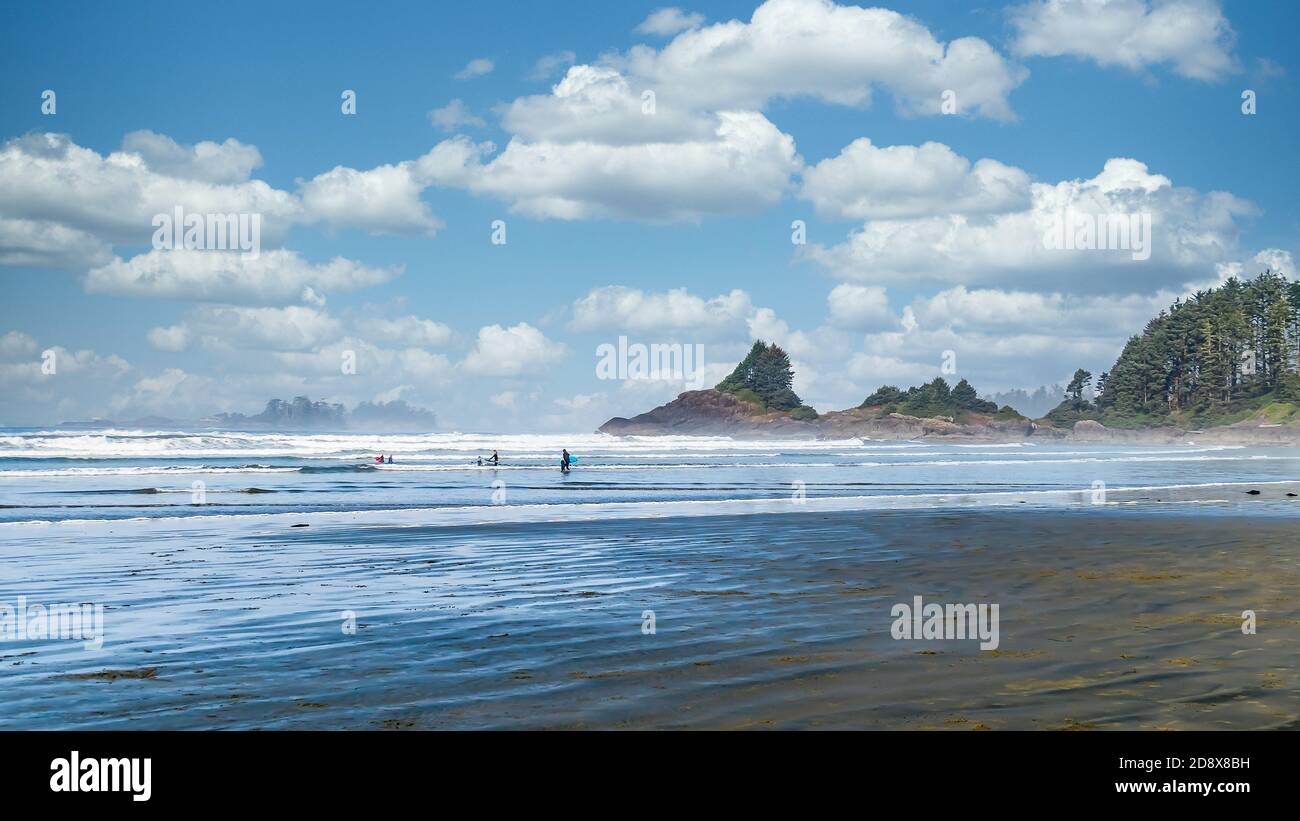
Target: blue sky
x=618, y=222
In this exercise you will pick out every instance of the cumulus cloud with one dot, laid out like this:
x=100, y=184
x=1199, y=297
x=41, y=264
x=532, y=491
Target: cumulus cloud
x=1190, y=233
x=78, y=388
x=64, y=204
x=274, y=277
x=1053, y=314
x=505, y=399
x=16, y=344
x=174, y=338
x=677, y=133
x=44, y=244
x=599, y=104
x=1274, y=259
x=745, y=164
x=551, y=64
x=227, y=162
x=838, y=54
x=514, y=351
x=454, y=115
x=865, y=181
x=382, y=200
x=407, y=330
x=378, y=367
x=1192, y=36
x=668, y=21
x=291, y=328
x=475, y=68
x=859, y=307
x=621, y=309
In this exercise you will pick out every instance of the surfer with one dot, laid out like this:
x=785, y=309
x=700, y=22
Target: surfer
x=390, y=458
x=564, y=460
x=379, y=460
x=494, y=459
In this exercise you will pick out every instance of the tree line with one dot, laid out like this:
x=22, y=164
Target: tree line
x=1218, y=352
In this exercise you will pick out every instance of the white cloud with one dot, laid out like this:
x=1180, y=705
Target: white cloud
x=621, y=309
x=382, y=200
x=43, y=244
x=838, y=54
x=407, y=330
x=746, y=164
x=549, y=65
x=1190, y=233
x=292, y=328
x=520, y=349
x=1020, y=312
x=667, y=21
x=475, y=68
x=78, y=389
x=454, y=115
x=274, y=277
x=174, y=338
x=65, y=205
x=676, y=133
x=870, y=182
x=16, y=344
x=578, y=401
x=505, y=399
x=228, y=162
x=1191, y=35
x=598, y=104
x=377, y=368
x=859, y=307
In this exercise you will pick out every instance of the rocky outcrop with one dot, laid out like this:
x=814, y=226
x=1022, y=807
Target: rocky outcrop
x=715, y=413
x=1087, y=430
x=709, y=413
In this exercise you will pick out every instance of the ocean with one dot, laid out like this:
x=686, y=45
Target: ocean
x=664, y=583
x=52, y=476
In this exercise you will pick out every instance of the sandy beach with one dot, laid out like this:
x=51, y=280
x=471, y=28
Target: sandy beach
x=1121, y=616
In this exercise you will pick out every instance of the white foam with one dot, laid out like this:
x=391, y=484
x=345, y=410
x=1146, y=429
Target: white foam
x=600, y=511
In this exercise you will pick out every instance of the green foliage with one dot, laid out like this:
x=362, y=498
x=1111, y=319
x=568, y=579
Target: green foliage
x=746, y=395
x=885, y=395
x=742, y=377
x=765, y=372
x=804, y=413
x=1082, y=379
x=1211, y=359
x=934, y=398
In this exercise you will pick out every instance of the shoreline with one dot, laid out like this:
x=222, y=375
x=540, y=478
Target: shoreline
x=1111, y=617
x=544, y=513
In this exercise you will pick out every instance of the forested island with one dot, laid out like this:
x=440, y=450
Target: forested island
x=1221, y=363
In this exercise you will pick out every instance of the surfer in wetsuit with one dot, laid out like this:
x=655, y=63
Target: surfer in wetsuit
x=390, y=458
x=494, y=459
x=564, y=460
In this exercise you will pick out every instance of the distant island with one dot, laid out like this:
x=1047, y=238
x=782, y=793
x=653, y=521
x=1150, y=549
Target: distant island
x=1218, y=366
x=299, y=413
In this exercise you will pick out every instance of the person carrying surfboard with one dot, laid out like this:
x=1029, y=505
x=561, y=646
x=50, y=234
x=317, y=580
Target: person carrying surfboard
x=494, y=459
x=564, y=460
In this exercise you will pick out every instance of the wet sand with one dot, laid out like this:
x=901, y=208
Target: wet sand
x=1110, y=617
